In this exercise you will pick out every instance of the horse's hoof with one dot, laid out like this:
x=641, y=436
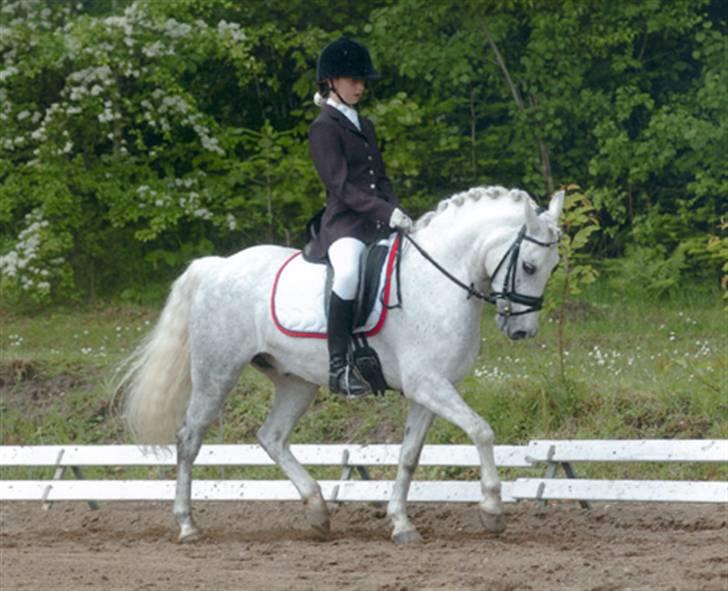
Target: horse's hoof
x=411, y=536
x=189, y=534
x=318, y=519
x=322, y=531
x=494, y=523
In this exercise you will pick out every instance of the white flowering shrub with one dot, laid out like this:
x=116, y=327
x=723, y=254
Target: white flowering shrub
x=34, y=261
x=147, y=132
x=125, y=143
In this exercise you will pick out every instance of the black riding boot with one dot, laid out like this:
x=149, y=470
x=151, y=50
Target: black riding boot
x=344, y=378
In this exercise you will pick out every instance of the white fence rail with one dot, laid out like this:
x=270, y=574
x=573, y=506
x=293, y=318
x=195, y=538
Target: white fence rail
x=550, y=455
x=251, y=455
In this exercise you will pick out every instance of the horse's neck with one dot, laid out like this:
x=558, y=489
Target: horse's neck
x=461, y=243
x=444, y=312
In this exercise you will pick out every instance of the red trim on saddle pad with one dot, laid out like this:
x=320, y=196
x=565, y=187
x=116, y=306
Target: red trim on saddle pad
x=322, y=335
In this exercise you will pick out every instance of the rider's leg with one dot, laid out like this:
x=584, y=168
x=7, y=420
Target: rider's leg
x=345, y=256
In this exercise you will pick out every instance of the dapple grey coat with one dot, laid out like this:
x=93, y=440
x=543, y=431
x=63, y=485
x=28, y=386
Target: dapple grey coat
x=359, y=196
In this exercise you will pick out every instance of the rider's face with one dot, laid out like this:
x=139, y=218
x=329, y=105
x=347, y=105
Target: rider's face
x=350, y=89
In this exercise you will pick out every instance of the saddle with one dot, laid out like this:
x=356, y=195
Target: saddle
x=301, y=294
x=370, y=273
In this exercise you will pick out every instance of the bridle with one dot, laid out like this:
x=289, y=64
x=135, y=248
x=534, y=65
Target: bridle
x=508, y=292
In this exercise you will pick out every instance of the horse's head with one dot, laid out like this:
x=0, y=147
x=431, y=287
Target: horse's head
x=519, y=277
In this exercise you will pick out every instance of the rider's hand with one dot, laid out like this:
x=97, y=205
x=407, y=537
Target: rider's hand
x=401, y=221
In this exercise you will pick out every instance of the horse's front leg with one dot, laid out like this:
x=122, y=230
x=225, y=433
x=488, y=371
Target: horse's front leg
x=439, y=396
x=418, y=423
x=292, y=398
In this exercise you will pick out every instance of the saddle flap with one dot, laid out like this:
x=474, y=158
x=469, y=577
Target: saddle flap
x=370, y=278
x=373, y=260
x=301, y=291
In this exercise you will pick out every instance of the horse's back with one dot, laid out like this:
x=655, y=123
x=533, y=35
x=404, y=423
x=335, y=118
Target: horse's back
x=258, y=262
x=231, y=297
x=243, y=278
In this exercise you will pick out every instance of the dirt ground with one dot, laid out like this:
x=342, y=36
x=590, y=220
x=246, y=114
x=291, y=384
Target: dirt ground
x=266, y=546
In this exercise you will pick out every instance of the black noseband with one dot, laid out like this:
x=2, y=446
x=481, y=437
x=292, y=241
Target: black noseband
x=509, y=293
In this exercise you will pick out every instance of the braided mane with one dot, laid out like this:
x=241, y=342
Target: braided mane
x=470, y=196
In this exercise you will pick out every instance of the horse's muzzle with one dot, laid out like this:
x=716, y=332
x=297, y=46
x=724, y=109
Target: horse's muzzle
x=513, y=328
x=517, y=335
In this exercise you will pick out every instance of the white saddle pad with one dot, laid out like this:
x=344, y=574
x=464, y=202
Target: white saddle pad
x=298, y=296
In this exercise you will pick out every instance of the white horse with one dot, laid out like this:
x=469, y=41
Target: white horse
x=217, y=319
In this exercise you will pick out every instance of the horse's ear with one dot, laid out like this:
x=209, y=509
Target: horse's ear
x=532, y=223
x=556, y=205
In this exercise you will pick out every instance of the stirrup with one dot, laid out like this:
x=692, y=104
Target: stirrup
x=347, y=380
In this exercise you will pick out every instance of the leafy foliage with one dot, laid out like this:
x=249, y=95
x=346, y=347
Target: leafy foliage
x=137, y=134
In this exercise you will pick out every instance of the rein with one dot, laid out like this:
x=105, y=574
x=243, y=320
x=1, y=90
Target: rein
x=508, y=293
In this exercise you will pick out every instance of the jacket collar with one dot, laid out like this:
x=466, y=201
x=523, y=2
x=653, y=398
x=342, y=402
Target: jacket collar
x=349, y=112
x=341, y=119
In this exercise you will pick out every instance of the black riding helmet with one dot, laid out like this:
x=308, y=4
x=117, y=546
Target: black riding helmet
x=345, y=58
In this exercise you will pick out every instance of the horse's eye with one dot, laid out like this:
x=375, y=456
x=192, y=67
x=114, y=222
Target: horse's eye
x=529, y=268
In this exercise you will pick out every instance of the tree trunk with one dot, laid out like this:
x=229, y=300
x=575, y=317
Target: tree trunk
x=473, y=157
x=518, y=99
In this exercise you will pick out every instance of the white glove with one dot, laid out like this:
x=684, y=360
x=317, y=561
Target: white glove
x=401, y=221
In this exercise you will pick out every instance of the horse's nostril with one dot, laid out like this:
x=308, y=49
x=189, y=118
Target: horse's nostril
x=518, y=334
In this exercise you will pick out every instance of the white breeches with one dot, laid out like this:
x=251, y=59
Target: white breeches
x=345, y=256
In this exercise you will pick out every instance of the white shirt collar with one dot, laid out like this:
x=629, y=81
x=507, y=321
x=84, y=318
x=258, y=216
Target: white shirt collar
x=350, y=113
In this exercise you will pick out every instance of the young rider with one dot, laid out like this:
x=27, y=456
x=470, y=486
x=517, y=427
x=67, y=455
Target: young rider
x=360, y=204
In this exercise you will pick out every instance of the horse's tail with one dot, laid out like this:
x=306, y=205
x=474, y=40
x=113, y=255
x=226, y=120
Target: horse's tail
x=156, y=384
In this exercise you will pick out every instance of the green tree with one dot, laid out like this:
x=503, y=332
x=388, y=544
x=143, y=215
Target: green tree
x=137, y=134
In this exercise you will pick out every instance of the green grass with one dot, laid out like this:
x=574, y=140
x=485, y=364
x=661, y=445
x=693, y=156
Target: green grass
x=631, y=369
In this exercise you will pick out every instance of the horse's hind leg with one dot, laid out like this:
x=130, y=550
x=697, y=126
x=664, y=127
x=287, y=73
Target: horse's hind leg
x=418, y=423
x=205, y=404
x=292, y=398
